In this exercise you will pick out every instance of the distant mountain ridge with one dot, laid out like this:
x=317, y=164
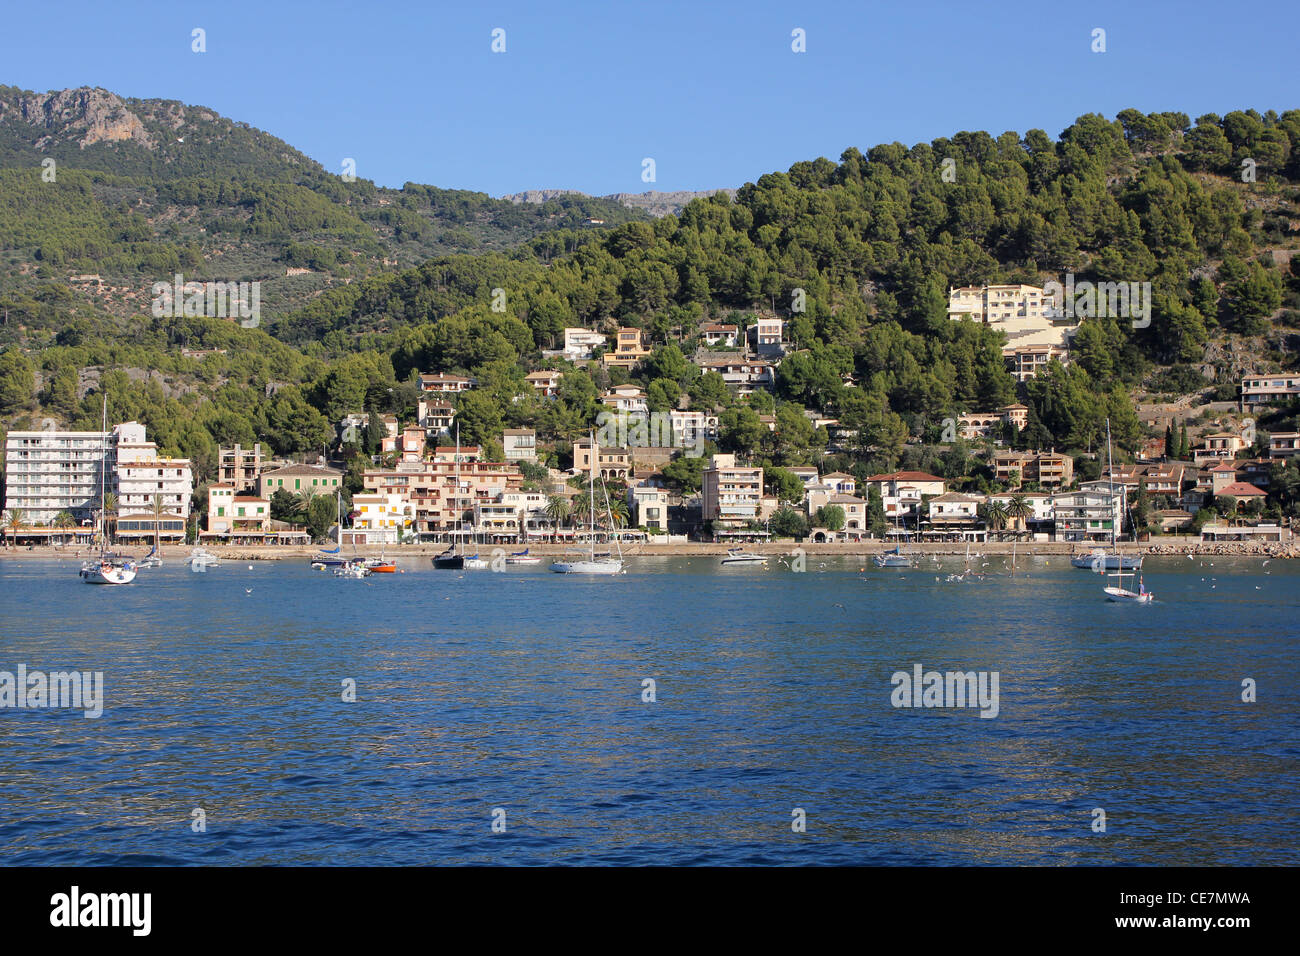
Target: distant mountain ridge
x=134, y=190
x=653, y=202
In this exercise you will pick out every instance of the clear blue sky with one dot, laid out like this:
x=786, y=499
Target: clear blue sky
x=710, y=90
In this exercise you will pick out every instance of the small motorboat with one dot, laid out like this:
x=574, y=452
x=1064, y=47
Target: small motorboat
x=522, y=557
x=352, y=569
x=737, y=556
x=201, y=560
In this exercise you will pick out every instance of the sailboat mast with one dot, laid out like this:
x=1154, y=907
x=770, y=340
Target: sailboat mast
x=103, y=468
x=591, y=495
x=455, y=497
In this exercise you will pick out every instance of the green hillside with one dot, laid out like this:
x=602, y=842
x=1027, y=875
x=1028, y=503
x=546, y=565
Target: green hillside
x=869, y=246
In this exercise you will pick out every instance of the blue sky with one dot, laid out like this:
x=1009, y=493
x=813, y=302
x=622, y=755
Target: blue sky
x=711, y=91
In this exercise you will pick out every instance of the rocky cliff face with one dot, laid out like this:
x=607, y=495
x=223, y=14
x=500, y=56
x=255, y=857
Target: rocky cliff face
x=653, y=202
x=85, y=116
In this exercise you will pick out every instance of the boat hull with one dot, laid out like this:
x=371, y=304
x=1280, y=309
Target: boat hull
x=1125, y=596
x=107, y=574
x=588, y=567
x=449, y=562
x=1108, y=562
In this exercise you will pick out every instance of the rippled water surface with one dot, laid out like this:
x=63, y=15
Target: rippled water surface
x=523, y=691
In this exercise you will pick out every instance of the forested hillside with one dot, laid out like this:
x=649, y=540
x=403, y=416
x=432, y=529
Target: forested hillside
x=870, y=246
x=137, y=190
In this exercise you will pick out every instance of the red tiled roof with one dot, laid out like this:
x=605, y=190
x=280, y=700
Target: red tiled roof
x=905, y=476
x=1241, y=489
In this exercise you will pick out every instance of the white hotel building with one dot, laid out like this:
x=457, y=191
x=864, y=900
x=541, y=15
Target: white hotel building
x=142, y=476
x=52, y=471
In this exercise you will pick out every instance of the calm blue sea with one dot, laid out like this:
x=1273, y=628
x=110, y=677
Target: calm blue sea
x=522, y=692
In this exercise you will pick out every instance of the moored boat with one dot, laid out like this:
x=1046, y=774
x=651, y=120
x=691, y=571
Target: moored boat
x=893, y=559
x=737, y=556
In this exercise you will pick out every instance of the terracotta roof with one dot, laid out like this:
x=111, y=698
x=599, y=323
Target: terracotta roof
x=1241, y=489
x=905, y=476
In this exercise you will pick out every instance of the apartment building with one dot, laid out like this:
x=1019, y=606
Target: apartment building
x=1222, y=446
x=240, y=467
x=690, y=427
x=443, y=495
x=610, y=462
x=626, y=400
x=1158, y=479
x=716, y=334
x=546, y=383
x=408, y=444
x=1049, y=469
x=438, y=383
x=300, y=479
x=980, y=424
x=649, y=507
x=1026, y=361
x=47, y=472
x=855, y=512
x=629, y=349
x=435, y=416
x=145, y=481
x=766, y=335
x=380, y=518
x=732, y=494
x=901, y=492
x=519, y=444
x=1009, y=305
x=231, y=514
x=513, y=514
x=1260, y=391
x=1283, y=444
x=580, y=344
x=951, y=512
x=744, y=376
x=1087, y=516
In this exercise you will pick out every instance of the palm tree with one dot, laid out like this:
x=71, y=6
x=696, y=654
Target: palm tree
x=15, y=522
x=558, y=510
x=1019, y=510
x=157, y=520
x=109, y=511
x=583, y=513
x=618, y=512
x=995, y=515
x=64, y=520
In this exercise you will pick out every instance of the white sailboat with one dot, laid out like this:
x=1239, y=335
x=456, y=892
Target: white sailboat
x=593, y=565
x=1118, y=592
x=108, y=569
x=452, y=559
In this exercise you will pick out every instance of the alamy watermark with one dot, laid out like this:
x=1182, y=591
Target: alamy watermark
x=922, y=688
x=649, y=430
x=220, y=300
x=37, y=690
x=1121, y=300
